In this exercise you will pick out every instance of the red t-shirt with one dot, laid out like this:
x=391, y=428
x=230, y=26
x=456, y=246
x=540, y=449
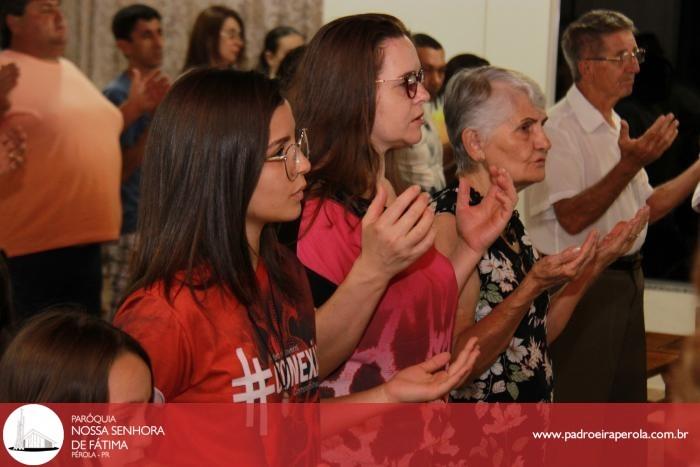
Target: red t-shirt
x=218, y=352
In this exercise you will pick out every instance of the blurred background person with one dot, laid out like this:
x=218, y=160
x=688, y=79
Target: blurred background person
x=217, y=39
x=455, y=64
x=63, y=202
x=278, y=43
x=458, y=63
x=288, y=68
x=138, y=90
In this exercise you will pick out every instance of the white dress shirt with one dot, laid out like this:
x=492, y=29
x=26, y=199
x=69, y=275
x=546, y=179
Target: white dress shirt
x=584, y=150
x=695, y=203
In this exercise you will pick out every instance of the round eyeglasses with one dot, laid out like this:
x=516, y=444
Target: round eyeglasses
x=625, y=58
x=410, y=82
x=291, y=155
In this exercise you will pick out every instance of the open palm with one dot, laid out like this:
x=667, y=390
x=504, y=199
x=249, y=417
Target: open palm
x=430, y=380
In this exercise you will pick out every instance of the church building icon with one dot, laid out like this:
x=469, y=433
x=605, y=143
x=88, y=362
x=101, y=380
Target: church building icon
x=33, y=440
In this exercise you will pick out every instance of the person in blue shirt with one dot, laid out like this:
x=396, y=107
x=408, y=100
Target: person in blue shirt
x=137, y=91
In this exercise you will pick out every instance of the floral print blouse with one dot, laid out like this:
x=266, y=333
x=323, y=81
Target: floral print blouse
x=522, y=373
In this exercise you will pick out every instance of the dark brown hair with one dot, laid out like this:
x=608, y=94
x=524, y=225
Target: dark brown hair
x=272, y=44
x=203, y=49
x=334, y=97
x=204, y=155
x=63, y=355
x=9, y=7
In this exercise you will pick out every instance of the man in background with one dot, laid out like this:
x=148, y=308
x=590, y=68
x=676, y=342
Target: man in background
x=63, y=201
x=595, y=178
x=139, y=36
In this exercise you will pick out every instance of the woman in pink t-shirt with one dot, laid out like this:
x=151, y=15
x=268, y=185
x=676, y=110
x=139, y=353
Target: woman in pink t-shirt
x=359, y=93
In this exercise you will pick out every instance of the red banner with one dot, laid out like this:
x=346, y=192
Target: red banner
x=351, y=434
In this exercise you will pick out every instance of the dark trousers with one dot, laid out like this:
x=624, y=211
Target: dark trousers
x=601, y=354
x=65, y=276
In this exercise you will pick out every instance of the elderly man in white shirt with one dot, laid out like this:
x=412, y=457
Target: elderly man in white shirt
x=595, y=178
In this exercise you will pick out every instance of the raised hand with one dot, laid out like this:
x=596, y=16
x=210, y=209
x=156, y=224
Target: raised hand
x=553, y=270
x=430, y=380
x=12, y=148
x=156, y=89
x=478, y=226
x=647, y=148
x=394, y=238
x=147, y=91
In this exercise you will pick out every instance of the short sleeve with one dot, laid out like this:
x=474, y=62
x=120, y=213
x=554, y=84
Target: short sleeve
x=696, y=199
x=152, y=322
x=115, y=96
x=643, y=187
x=564, y=173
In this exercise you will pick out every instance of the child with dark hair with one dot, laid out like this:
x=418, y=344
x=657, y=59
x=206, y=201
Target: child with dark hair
x=65, y=355
x=278, y=43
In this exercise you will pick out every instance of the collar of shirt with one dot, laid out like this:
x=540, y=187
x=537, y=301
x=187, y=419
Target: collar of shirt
x=588, y=116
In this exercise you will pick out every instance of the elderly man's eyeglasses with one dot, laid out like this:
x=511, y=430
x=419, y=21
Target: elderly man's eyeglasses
x=291, y=155
x=410, y=82
x=625, y=58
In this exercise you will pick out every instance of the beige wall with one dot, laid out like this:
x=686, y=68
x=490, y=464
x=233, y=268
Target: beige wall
x=514, y=34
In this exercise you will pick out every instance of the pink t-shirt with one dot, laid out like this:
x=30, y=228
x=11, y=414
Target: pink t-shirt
x=67, y=191
x=413, y=321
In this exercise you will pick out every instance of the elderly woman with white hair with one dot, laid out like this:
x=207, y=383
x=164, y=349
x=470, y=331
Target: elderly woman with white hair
x=494, y=119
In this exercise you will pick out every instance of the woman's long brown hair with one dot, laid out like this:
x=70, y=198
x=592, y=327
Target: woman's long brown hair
x=333, y=95
x=204, y=155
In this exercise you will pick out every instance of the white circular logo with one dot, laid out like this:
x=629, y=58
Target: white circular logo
x=33, y=434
